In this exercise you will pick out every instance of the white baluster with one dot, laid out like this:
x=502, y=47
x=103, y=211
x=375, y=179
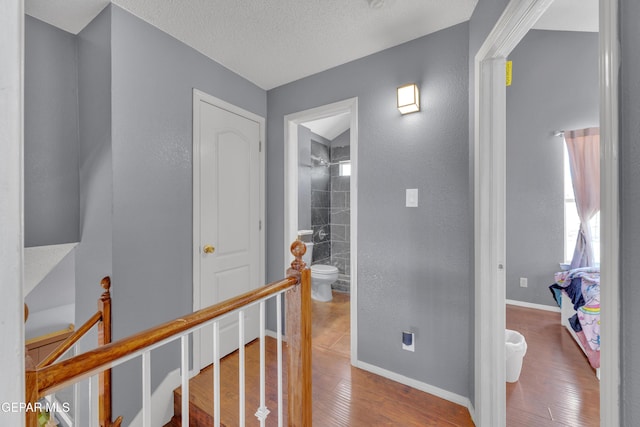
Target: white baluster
x=262, y=412
x=216, y=374
x=241, y=365
x=93, y=420
x=146, y=389
x=279, y=344
x=185, y=380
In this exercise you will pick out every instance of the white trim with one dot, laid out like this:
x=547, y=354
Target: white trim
x=272, y=334
x=534, y=306
x=489, y=207
x=418, y=385
x=291, y=122
x=199, y=96
x=609, y=216
x=11, y=211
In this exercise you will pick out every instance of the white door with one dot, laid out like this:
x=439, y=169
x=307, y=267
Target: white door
x=229, y=218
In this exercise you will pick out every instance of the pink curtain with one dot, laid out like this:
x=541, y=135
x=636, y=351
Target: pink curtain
x=584, y=159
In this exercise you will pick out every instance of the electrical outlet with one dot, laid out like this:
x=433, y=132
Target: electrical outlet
x=523, y=282
x=408, y=341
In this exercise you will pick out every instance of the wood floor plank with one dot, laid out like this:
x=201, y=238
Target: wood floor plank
x=557, y=386
x=343, y=396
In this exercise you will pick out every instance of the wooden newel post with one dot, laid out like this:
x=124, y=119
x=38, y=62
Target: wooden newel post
x=298, y=329
x=104, y=337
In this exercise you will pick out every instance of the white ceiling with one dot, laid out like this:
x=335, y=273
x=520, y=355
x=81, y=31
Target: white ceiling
x=330, y=127
x=570, y=15
x=275, y=42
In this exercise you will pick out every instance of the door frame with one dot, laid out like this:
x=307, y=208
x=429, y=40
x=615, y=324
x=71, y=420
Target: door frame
x=489, y=208
x=291, y=122
x=199, y=96
x=12, y=384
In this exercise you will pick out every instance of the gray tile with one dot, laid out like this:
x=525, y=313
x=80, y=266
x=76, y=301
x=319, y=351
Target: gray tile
x=319, y=216
x=338, y=233
x=338, y=216
x=340, y=183
x=338, y=199
x=320, y=150
x=341, y=264
x=320, y=199
x=320, y=178
x=341, y=286
x=340, y=153
x=321, y=253
x=340, y=249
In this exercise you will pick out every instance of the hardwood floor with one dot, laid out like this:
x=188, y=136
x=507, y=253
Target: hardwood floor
x=557, y=386
x=343, y=396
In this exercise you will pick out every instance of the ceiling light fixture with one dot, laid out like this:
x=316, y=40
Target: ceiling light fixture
x=408, y=98
x=375, y=4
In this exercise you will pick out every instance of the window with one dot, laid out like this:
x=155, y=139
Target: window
x=345, y=168
x=572, y=221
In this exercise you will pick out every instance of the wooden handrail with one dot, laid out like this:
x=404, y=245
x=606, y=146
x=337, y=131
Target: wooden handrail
x=70, y=341
x=74, y=369
x=43, y=381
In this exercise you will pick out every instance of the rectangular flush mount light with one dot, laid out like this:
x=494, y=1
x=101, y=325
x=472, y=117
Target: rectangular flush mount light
x=408, y=98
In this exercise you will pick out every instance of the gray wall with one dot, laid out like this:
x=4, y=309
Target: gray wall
x=304, y=178
x=413, y=264
x=152, y=81
x=51, y=194
x=94, y=253
x=555, y=86
x=630, y=209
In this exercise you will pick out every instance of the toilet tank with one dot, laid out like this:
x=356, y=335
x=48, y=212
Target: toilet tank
x=308, y=255
x=306, y=236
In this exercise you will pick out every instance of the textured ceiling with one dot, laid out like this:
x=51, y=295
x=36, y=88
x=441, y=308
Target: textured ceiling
x=278, y=41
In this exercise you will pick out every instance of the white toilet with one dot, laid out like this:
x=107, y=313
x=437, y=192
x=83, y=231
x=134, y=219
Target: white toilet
x=322, y=276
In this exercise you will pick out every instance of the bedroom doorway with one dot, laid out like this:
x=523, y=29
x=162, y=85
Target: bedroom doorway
x=542, y=222
x=328, y=165
x=490, y=203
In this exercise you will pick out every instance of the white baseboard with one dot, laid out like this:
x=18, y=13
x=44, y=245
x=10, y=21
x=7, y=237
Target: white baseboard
x=427, y=388
x=472, y=413
x=532, y=305
x=274, y=335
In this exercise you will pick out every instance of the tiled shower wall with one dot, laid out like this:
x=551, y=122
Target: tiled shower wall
x=330, y=206
x=340, y=216
x=320, y=201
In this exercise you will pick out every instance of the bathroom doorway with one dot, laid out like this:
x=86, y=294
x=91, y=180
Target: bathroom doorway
x=320, y=197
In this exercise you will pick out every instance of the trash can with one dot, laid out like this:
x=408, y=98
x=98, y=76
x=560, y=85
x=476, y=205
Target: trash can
x=516, y=347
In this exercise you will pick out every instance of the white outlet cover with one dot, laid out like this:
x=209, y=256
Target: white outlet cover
x=412, y=198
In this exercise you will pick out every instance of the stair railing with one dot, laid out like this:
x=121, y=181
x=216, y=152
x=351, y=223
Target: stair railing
x=102, y=318
x=296, y=287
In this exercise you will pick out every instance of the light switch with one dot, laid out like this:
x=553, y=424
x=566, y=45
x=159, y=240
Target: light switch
x=412, y=197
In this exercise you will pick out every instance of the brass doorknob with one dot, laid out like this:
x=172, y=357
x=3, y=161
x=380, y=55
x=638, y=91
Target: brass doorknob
x=208, y=249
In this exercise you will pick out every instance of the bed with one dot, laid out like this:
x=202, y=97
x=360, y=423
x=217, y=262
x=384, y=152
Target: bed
x=577, y=292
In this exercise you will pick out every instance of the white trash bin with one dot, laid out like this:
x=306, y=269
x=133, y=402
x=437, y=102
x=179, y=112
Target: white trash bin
x=516, y=347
